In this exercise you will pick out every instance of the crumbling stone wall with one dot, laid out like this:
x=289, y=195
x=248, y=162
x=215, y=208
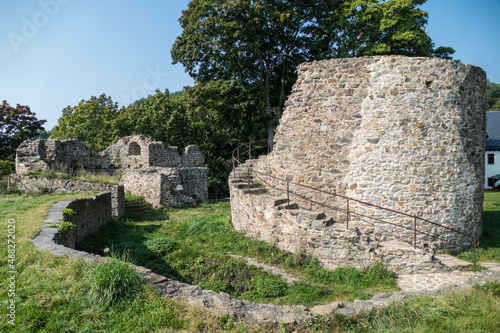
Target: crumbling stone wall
x=28, y=183
x=402, y=133
x=90, y=214
x=148, y=165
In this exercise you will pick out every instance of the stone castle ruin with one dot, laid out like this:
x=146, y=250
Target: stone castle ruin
x=150, y=169
x=406, y=134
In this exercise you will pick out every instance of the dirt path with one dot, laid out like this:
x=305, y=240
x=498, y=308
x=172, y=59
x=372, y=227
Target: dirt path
x=268, y=268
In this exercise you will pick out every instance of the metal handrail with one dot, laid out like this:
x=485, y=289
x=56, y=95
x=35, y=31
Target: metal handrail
x=237, y=153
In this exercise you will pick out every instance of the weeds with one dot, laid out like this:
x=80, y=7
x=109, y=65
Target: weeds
x=113, y=281
x=65, y=172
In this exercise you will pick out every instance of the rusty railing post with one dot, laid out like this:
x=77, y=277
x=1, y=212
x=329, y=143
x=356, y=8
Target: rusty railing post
x=234, y=169
x=248, y=180
x=250, y=151
x=347, y=217
x=288, y=194
x=475, y=245
x=268, y=146
x=415, y=233
x=238, y=154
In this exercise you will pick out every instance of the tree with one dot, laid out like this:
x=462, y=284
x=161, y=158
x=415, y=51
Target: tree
x=91, y=122
x=221, y=115
x=374, y=27
x=161, y=117
x=492, y=96
x=16, y=125
x=261, y=42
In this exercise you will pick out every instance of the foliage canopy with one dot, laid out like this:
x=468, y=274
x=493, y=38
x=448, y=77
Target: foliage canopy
x=91, y=122
x=16, y=125
x=260, y=43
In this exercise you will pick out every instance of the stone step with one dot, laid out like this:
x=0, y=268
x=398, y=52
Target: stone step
x=308, y=214
x=257, y=191
x=243, y=185
x=284, y=206
x=452, y=262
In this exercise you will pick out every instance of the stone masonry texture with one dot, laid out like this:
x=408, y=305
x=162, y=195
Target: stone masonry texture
x=403, y=133
x=159, y=173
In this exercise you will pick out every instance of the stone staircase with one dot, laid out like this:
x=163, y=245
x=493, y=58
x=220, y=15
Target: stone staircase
x=137, y=207
x=325, y=238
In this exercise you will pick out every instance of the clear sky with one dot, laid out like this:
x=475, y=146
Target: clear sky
x=54, y=53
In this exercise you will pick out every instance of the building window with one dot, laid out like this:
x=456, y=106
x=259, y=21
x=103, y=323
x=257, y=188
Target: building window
x=491, y=158
x=134, y=149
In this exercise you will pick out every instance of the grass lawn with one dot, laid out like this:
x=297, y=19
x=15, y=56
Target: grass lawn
x=55, y=294
x=489, y=246
x=194, y=245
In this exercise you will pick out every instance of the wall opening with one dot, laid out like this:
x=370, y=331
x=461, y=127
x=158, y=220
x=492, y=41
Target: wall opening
x=134, y=149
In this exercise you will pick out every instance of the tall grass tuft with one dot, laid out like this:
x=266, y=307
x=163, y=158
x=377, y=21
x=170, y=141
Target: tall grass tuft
x=113, y=281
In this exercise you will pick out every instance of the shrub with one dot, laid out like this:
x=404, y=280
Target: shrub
x=66, y=226
x=160, y=246
x=267, y=287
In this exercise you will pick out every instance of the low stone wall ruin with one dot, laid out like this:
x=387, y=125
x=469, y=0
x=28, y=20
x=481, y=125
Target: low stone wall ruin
x=26, y=183
x=90, y=214
x=151, y=169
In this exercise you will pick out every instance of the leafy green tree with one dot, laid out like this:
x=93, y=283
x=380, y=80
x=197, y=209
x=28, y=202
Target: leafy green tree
x=16, y=125
x=221, y=115
x=373, y=27
x=91, y=122
x=492, y=96
x=161, y=117
x=256, y=42
x=261, y=42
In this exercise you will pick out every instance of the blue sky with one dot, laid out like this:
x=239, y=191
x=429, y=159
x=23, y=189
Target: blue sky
x=54, y=53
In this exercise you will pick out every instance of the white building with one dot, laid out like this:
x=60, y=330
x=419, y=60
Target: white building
x=492, y=158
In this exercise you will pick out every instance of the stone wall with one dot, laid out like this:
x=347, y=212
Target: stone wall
x=160, y=186
x=90, y=214
x=403, y=133
x=265, y=217
x=133, y=154
x=27, y=183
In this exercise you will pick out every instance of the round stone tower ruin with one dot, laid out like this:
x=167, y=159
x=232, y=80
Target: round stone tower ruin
x=403, y=133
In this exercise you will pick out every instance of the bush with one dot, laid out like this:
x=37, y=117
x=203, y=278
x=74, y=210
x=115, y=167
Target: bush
x=267, y=288
x=160, y=246
x=113, y=281
x=7, y=167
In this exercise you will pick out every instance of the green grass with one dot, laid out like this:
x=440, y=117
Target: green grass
x=489, y=246
x=60, y=294
x=53, y=293
x=79, y=174
x=198, y=243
